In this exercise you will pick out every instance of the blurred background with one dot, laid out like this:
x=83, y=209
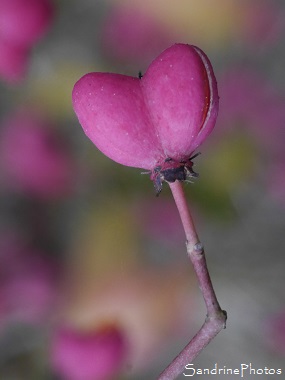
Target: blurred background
x=94, y=279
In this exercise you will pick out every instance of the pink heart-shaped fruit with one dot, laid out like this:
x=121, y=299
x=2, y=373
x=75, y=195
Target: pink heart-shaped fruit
x=164, y=115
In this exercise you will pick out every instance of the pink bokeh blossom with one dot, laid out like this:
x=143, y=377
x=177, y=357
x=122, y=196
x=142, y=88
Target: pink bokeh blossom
x=13, y=61
x=28, y=283
x=139, y=302
x=22, y=24
x=34, y=159
x=87, y=355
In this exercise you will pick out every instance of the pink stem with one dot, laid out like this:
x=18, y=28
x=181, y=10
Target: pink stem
x=216, y=317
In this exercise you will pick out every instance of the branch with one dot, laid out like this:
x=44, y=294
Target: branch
x=216, y=317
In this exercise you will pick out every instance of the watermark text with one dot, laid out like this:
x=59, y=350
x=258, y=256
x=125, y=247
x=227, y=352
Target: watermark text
x=244, y=369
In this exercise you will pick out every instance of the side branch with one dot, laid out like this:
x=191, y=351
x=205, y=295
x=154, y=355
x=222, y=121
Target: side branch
x=216, y=317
